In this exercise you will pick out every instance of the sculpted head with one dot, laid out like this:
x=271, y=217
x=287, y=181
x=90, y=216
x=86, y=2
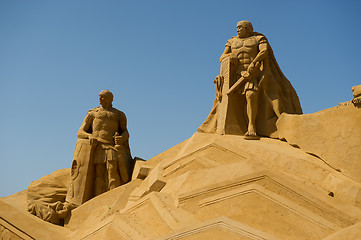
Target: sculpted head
x=106, y=98
x=244, y=29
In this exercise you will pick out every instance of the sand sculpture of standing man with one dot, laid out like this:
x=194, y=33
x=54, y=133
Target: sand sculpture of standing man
x=252, y=91
x=248, y=54
x=102, y=159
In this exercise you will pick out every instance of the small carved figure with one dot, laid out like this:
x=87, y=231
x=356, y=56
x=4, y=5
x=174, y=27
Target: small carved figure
x=102, y=159
x=254, y=92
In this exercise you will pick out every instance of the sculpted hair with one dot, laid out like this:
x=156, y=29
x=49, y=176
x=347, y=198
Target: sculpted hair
x=107, y=93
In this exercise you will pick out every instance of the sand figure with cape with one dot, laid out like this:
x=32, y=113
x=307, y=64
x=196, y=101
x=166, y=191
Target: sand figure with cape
x=251, y=90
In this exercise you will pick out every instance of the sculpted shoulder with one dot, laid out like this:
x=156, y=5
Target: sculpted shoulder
x=118, y=113
x=98, y=110
x=260, y=37
x=94, y=110
x=232, y=39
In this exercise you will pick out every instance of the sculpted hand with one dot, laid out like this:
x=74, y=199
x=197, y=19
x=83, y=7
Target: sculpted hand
x=246, y=75
x=219, y=84
x=254, y=67
x=251, y=68
x=118, y=140
x=93, y=141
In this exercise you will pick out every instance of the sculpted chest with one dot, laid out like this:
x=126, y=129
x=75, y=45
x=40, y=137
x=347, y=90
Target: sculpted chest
x=248, y=46
x=244, y=43
x=245, y=49
x=105, y=116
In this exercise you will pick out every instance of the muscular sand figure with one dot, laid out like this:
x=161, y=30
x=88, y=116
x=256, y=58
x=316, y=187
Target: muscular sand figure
x=251, y=90
x=106, y=129
x=247, y=51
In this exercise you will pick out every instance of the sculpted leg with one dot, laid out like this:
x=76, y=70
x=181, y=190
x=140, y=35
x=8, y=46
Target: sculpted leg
x=100, y=186
x=252, y=107
x=113, y=175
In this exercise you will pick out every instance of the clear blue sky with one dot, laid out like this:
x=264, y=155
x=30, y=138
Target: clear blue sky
x=159, y=58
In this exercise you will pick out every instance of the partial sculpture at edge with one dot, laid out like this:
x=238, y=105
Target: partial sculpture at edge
x=102, y=159
x=252, y=91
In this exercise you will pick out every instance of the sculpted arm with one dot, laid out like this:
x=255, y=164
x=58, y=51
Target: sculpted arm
x=262, y=52
x=256, y=63
x=226, y=53
x=85, y=127
x=123, y=129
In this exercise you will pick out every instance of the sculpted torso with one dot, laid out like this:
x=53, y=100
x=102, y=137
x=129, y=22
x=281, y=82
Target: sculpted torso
x=245, y=49
x=102, y=124
x=105, y=124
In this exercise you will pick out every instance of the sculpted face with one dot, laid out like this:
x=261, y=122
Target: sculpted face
x=105, y=98
x=244, y=29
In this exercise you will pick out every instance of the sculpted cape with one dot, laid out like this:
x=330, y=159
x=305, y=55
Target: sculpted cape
x=276, y=96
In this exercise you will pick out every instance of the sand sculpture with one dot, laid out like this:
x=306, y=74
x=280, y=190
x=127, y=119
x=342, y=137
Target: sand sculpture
x=251, y=90
x=102, y=141
x=304, y=185
x=102, y=162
